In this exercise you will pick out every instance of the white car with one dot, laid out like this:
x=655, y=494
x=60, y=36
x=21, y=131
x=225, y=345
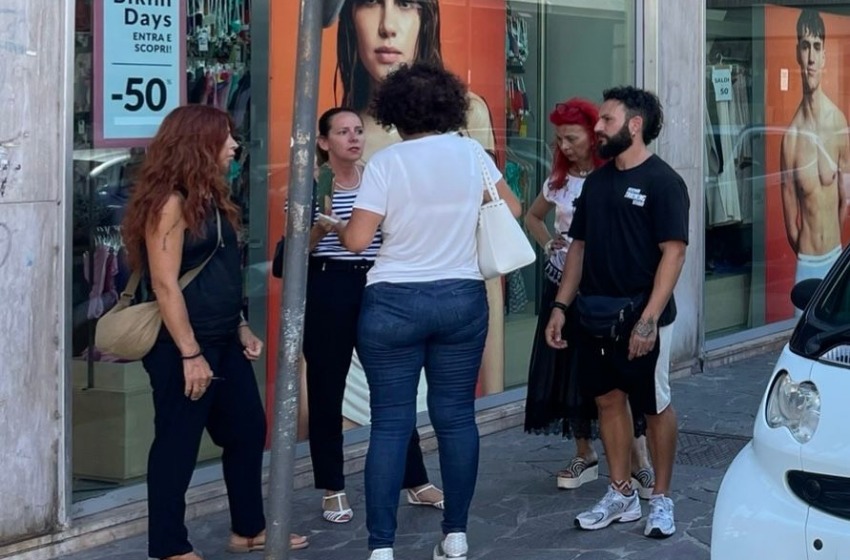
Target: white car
x=786, y=496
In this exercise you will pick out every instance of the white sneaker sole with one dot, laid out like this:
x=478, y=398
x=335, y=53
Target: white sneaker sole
x=571, y=483
x=440, y=555
x=625, y=517
x=656, y=533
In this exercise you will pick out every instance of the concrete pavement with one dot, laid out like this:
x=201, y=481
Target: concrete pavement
x=518, y=513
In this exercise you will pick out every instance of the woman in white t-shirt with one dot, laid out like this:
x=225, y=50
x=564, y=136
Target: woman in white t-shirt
x=335, y=284
x=425, y=304
x=553, y=402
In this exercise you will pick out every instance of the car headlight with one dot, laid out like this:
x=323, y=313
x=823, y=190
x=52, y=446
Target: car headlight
x=795, y=406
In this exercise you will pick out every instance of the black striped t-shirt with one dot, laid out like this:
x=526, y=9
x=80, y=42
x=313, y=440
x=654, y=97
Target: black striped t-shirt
x=330, y=247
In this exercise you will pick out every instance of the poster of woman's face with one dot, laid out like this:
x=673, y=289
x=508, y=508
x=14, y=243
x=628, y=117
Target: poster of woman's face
x=376, y=36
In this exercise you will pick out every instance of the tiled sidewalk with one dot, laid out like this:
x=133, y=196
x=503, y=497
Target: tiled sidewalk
x=518, y=513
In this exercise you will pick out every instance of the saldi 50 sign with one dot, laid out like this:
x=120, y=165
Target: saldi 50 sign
x=139, y=68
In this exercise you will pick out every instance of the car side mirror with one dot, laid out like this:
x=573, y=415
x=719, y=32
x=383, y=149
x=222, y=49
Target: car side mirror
x=803, y=291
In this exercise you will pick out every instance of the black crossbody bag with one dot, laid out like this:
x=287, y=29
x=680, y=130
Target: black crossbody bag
x=609, y=317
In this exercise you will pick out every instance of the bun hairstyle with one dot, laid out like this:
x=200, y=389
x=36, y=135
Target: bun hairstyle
x=325, y=123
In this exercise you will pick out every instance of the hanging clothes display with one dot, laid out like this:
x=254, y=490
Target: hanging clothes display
x=218, y=72
x=741, y=84
x=516, y=54
x=723, y=198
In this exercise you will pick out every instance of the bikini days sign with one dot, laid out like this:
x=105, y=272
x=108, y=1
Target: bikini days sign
x=139, y=68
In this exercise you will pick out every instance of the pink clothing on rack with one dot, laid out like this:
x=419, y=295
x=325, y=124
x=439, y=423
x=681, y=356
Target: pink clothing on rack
x=102, y=294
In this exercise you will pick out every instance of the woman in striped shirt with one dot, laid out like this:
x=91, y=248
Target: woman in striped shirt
x=335, y=284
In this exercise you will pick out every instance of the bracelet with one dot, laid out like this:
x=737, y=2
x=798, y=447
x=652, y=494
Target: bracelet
x=193, y=356
x=547, y=247
x=559, y=305
x=245, y=324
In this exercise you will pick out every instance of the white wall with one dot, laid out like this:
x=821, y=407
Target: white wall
x=32, y=181
x=674, y=52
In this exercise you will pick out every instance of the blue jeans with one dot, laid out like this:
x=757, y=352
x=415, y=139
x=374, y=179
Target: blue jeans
x=404, y=327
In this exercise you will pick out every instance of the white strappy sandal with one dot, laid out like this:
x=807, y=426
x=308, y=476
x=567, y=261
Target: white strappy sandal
x=340, y=514
x=413, y=497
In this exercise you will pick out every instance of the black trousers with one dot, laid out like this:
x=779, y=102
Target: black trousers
x=232, y=413
x=334, y=294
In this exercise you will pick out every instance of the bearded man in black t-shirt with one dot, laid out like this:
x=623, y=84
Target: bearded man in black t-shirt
x=630, y=232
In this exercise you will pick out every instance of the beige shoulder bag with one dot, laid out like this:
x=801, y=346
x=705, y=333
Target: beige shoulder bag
x=130, y=331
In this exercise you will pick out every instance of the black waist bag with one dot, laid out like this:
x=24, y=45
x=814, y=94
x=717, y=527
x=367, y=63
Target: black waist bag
x=609, y=317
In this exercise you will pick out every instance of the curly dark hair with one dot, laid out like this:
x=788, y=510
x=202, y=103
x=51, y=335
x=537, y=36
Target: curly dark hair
x=639, y=103
x=423, y=97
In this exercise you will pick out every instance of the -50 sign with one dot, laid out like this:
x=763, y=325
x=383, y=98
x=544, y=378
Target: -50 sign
x=153, y=94
x=139, y=69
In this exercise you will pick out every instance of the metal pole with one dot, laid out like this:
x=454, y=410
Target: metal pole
x=283, y=437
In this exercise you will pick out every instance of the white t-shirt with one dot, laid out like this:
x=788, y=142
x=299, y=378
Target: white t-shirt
x=429, y=191
x=564, y=200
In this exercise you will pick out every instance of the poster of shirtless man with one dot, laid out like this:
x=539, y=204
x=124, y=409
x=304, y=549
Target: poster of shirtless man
x=814, y=160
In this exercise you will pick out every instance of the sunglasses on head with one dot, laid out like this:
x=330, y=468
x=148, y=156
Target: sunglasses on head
x=566, y=109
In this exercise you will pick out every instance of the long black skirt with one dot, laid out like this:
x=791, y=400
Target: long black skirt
x=554, y=404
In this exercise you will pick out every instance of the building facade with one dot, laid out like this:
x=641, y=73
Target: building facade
x=86, y=82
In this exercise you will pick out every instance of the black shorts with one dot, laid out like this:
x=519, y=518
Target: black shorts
x=605, y=366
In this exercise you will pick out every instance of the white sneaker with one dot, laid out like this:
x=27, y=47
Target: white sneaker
x=660, y=524
x=382, y=554
x=612, y=507
x=453, y=547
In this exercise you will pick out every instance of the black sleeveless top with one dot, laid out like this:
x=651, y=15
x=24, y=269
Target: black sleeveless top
x=214, y=297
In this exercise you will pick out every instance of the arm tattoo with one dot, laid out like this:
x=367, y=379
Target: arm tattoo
x=165, y=237
x=645, y=328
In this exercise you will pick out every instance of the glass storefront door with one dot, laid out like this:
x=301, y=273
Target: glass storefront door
x=573, y=48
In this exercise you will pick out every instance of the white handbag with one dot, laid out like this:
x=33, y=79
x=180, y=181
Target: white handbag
x=502, y=245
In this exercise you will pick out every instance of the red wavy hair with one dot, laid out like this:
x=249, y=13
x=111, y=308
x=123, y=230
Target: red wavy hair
x=183, y=158
x=573, y=111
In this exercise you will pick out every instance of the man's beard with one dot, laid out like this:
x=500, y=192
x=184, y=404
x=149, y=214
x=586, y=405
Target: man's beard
x=617, y=144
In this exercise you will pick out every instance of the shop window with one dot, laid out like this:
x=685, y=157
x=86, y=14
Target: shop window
x=132, y=64
x=776, y=141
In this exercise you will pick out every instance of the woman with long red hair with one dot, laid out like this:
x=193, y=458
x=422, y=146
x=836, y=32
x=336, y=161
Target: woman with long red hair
x=553, y=402
x=180, y=218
